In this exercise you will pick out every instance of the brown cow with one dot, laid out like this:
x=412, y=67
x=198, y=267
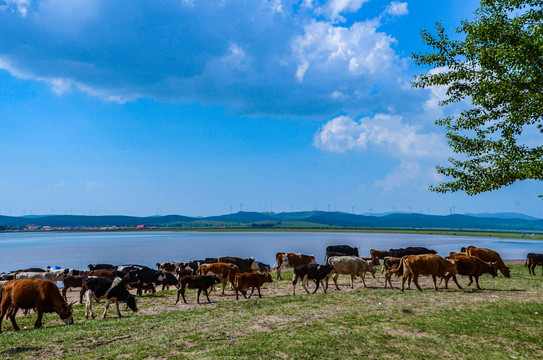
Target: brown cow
x=42, y=295
x=426, y=264
x=378, y=255
x=290, y=260
x=473, y=267
x=488, y=255
x=250, y=280
x=454, y=254
x=225, y=271
x=392, y=263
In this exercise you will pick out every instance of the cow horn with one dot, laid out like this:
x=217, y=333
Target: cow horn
x=494, y=263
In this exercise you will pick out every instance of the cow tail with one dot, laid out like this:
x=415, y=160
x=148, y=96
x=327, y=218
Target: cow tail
x=526, y=262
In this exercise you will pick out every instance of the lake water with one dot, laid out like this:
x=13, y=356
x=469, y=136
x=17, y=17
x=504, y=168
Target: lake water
x=77, y=250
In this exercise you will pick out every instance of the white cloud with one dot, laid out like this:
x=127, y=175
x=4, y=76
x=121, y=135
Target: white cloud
x=397, y=8
x=20, y=6
x=384, y=133
x=356, y=50
x=399, y=176
x=336, y=7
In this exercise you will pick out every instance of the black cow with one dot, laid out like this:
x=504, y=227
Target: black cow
x=198, y=282
x=532, y=260
x=108, y=288
x=7, y=276
x=73, y=272
x=340, y=250
x=168, y=280
x=71, y=282
x=410, y=250
x=244, y=265
x=31, y=270
x=263, y=268
x=102, y=267
x=141, y=277
x=314, y=272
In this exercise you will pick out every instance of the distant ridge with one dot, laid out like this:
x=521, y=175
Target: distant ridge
x=303, y=219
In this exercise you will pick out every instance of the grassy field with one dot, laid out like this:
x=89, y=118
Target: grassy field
x=504, y=321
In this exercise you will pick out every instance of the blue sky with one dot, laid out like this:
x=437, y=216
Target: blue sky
x=196, y=107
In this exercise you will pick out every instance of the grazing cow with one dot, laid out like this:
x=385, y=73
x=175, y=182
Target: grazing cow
x=392, y=263
x=424, y=264
x=107, y=288
x=314, y=272
x=489, y=256
x=532, y=260
x=290, y=260
x=349, y=265
x=99, y=273
x=168, y=266
x=244, y=265
x=102, y=267
x=340, y=250
x=378, y=255
x=141, y=277
x=225, y=271
x=411, y=250
x=192, y=265
x=473, y=267
x=51, y=276
x=198, y=282
x=250, y=280
x=71, y=282
x=42, y=295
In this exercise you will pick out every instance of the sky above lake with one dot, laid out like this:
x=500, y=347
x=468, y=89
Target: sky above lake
x=208, y=107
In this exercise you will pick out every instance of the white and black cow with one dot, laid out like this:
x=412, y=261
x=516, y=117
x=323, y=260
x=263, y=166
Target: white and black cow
x=109, y=289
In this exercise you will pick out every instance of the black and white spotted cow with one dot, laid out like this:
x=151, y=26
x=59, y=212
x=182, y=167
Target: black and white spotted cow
x=109, y=289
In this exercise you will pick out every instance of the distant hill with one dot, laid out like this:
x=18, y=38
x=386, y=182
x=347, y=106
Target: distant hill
x=303, y=219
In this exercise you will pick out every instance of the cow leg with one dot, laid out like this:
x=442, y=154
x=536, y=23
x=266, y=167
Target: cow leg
x=470, y=280
x=363, y=278
x=477, y=282
x=434, y=278
x=88, y=305
x=279, y=273
x=236, y=290
x=105, y=310
x=335, y=280
x=118, y=311
x=182, y=294
x=81, y=292
x=304, y=284
x=37, y=325
x=64, y=290
x=253, y=290
x=11, y=314
x=416, y=282
x=198, y=295
x=260, y=296
x=404, y=277
x=294, y=281
x=322, y=284
x=207, y=296
x=316, y=286
x=223, y=287
x=456, y=282
x=447, y=278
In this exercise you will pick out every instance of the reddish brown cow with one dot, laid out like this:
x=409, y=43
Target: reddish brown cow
x=290, y=260
x=248, y=280
x=392, y=263
x=489, y=256
x=42, y=295
x=225, y=271
x=426, y=264
x=473, y=267
x=454, y=254
x=377, y=255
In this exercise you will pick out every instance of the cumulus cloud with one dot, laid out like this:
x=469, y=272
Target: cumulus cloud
x=400, y=176
x=121, y=52
x=397, y=8
x=384, y=133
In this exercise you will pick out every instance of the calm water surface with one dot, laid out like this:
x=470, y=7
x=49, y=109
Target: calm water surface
x=77, y=250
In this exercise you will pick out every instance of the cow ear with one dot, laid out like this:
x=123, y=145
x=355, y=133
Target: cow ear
x=70, y=306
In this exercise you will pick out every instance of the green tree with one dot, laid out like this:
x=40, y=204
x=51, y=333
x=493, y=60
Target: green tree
x=498, y=69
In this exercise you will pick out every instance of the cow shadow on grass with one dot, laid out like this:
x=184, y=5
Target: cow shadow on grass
x=19, y=350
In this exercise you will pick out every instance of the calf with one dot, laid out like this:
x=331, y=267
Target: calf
x=532, y=260
x=490, y=256
x=290, y=260
x=311, y=271
x=108, y=288
x=42, y=295
x=349, y=265
x=168, y=280
x=225, y=271
x=392, y=263
x=244, y=265
x=263, y=268
x=99, y=273
x=378, y=255
x=473, y=267
x=250, y=280
x=198, y=282
x=71, y=282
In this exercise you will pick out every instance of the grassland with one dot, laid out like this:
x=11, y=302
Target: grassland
x=504, y=321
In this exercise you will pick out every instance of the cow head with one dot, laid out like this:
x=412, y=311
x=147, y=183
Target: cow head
x=267, y=278
x=131, y=303
x=313, y=261
x=216, y=280
x=493, y=268
x=505, y=271
x=66, y=313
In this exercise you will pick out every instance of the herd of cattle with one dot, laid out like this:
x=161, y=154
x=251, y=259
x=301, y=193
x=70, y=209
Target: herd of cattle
x=36, y=288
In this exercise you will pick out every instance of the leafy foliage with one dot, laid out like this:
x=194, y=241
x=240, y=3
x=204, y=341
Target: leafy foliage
x=498, y=68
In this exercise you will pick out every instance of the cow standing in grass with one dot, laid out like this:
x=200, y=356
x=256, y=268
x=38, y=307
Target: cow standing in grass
x=349, y=265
